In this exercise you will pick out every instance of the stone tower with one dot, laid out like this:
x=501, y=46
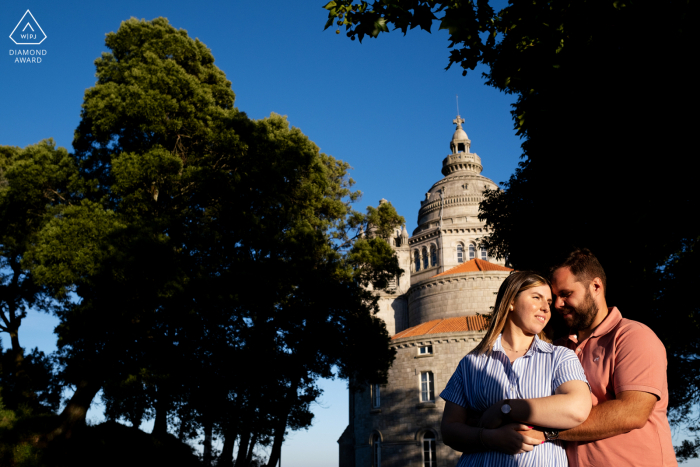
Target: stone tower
x=433, y=313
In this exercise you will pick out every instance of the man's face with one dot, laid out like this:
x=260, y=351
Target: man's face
x=573, y=300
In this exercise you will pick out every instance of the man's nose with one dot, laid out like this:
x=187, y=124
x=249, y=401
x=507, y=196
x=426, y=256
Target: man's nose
x=558, y=303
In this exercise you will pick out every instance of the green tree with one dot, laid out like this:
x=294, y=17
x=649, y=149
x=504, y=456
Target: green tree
x=202, y=247
x=33, y=182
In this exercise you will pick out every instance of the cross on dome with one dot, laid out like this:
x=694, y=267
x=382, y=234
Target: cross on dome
x=460, y=141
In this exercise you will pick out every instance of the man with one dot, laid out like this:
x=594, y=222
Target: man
x=625, y=364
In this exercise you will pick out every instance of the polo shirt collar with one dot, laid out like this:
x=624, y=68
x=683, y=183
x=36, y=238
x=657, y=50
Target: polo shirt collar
x=613, y=319
x=610, y=321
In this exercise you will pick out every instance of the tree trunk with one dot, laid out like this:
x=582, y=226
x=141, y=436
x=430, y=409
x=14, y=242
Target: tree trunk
x=242, y=456
x=16, y=350
x=160, y=426
x=226, y=456
x=281, y=426
x=73, y=416
x=279, y=438
x=249, y=457
x=208, y=428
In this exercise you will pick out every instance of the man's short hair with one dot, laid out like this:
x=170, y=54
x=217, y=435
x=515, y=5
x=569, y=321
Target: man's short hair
x=584, y=266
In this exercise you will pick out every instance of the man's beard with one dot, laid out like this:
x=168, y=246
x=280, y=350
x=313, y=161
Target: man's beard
x=584, y=314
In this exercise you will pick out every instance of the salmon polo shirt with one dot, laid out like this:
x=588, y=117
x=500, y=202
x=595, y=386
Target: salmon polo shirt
x=624, y=355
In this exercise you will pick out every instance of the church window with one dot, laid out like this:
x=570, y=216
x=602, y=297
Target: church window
x=429, y=450
x=416, y=258
x=427, y=386
x=376, y=451
x=460, y=253
x=425, y=350
x=425, y=258
x=484, y=255
x=375, y=396
x=433, y=256
x=472, y=251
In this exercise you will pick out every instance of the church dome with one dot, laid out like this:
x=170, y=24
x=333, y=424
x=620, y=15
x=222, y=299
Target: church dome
x=461, y=191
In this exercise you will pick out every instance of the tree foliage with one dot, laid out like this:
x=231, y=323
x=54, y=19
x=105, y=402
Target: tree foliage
x=210, y=266
x=34, y=182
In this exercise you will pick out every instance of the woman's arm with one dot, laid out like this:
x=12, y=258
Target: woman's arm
x=463, y=438
x=567, y=408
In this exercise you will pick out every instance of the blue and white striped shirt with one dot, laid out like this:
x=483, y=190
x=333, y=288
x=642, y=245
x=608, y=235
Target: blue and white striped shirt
x=480, y=381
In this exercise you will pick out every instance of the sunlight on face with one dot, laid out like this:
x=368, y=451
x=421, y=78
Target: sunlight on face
x=531, y=309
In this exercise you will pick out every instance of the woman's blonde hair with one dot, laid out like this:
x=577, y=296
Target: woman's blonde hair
x=513, y=286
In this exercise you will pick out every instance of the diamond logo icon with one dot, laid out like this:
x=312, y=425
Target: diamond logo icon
x=28, y=31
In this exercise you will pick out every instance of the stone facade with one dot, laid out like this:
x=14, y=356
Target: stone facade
x=439, y=283
x=453, y=295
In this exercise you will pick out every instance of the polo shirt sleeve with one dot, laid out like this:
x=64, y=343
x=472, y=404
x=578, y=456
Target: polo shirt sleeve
x=640, y=361
x=567, y=368
x=455, y=391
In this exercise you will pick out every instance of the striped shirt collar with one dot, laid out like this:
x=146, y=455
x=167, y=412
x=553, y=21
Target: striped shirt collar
x=539, y=344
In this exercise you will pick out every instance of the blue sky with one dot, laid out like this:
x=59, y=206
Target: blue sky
x=385, y=106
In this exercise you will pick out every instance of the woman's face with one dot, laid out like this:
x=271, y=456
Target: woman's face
x=530, y=309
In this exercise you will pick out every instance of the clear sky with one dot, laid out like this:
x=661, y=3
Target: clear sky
x=385, y=106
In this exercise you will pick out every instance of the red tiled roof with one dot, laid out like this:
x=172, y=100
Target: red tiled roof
x=474, y=265
x=438, y=326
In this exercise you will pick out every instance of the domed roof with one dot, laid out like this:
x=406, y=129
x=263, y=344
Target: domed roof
x=439, y=326
x=474, y=265
x=460, y=134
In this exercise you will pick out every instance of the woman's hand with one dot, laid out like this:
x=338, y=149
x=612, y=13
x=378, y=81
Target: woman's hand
x=493, y=417
x=510, y=439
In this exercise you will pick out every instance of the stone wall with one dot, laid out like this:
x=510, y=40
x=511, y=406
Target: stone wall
x=402, y=419
x=394, y=311
x=453, y=295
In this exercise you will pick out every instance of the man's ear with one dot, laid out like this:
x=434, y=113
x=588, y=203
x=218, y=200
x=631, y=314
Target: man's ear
x=596, y=287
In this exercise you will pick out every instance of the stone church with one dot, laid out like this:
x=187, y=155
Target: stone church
x=433, y=313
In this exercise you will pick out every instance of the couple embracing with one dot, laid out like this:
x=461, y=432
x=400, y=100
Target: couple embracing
x=597, y=399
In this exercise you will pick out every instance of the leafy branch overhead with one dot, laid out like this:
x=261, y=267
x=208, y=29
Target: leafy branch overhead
x=474, y=26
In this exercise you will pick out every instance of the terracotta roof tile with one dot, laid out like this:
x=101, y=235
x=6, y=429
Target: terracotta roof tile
x=474, y=265
x=439, y=326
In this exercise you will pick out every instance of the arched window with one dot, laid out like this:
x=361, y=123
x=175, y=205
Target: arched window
x=425, y=258
x=460, y=253
x=429, y=451
x=416, y=260
x=376, y=451
x=472, y=251
x=427, y=386
x=484, y=255
x=433, y=256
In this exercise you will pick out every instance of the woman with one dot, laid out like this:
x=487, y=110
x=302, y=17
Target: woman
x=517, y=380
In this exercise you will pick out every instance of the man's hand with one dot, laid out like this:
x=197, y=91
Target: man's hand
x=535, y=433
x=510, y=439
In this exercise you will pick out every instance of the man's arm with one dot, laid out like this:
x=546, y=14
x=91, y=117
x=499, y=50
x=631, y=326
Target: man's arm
x=629, y=411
